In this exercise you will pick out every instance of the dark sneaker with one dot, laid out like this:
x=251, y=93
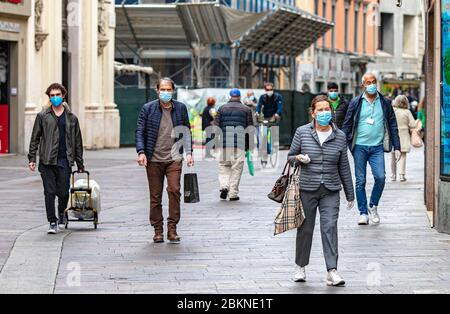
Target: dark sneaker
x=224, y=194
x=62, y=220
x=53, y=228
x=234, y=199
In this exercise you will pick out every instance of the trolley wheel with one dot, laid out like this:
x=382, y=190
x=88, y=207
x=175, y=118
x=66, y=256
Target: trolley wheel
x=66, y=216
x=95, y=220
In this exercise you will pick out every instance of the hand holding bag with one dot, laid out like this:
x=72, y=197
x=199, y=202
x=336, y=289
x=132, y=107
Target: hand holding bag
x=416, y=140
x=280, y=187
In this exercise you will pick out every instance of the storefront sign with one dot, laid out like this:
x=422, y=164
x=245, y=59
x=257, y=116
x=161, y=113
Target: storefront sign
x=9, y=27
x=12, y=1
x=16, y=7
x=445, y=103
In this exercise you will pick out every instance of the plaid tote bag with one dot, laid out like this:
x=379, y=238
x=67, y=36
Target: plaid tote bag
x=291, y=214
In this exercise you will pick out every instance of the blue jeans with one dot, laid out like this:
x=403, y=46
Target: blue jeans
x=375, y=157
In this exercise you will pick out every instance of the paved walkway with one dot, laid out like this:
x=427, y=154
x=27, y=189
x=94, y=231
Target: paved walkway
x=226, y=247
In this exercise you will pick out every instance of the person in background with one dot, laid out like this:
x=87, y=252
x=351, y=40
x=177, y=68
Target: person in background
x=270, y=105
x=57, y=136
x=320, y=148
x=208, y=117
x=233, y=119
x=252, y=102
x=406, y=123
x=421, y=113
x=339, y=105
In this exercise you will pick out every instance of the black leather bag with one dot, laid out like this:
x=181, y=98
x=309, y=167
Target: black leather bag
x=280, y=187
x=191, y=191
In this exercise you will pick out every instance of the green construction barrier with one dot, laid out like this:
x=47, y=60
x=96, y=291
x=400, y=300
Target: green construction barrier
x=129, y=102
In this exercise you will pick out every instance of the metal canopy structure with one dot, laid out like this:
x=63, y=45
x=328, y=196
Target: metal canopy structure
x=280, y=31
x=149, y=26
x=285, y=32
x=264, y=39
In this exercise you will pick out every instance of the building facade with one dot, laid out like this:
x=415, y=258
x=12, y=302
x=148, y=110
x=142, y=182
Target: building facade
x=343, y=54
x=70, y=41
x=400, y=48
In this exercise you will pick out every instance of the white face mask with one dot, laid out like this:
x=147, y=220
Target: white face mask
x=270, y=94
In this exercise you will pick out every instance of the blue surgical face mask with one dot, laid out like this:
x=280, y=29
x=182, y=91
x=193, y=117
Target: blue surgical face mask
x=324, y=118
x=56, y=101
x=372, y=89
x=165, y=97
x=333, y=95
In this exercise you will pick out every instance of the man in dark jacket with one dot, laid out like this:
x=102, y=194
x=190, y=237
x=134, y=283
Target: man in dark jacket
x=371, y=130
x=270, y=104
x=339, y=105
x=234, y=120
x=162, y=155
x=57, y=135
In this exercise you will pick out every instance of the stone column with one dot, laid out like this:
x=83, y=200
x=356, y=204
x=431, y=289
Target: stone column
x=85, y=88
x=44, y=59
x=112, y=118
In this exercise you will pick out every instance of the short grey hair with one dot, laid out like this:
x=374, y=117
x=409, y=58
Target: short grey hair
x=401, y=102
x=363, y=79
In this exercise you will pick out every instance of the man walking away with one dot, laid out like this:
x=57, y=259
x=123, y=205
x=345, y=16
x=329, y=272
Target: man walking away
x=233, y=119
x=208, y=117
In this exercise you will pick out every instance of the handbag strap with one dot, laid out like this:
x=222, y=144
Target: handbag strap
x=288, y=167
x=296, y=172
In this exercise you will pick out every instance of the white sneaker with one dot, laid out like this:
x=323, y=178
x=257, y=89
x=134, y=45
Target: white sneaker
x=374, y=217
x=53, y=228
x=334, y=280
x=300, y=274
x=363, y=220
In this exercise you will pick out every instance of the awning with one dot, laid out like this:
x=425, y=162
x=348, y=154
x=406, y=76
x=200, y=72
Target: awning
x=359, y=59
x=280, y=31
x=126, y=69
x=154, y=26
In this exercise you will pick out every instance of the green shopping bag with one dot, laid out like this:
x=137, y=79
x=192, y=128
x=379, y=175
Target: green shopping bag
x=251, y=167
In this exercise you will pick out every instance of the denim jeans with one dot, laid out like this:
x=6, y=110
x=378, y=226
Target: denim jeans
x=375, y=157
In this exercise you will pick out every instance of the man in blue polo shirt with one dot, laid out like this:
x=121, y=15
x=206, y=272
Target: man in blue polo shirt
x=371, y=130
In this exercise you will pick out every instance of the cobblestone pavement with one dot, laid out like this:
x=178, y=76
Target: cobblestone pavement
x=226, y=247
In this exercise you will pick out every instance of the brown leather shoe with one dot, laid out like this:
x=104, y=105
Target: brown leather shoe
x=159, y=235
x=172, y=235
